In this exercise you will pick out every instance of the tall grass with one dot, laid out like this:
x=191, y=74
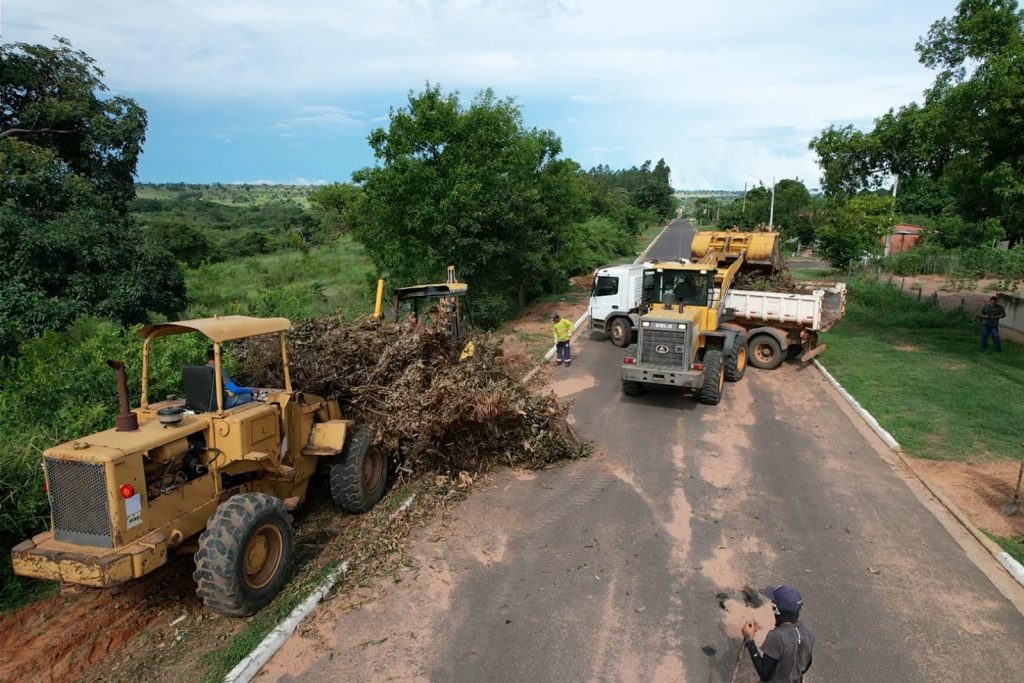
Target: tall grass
x=294, y=284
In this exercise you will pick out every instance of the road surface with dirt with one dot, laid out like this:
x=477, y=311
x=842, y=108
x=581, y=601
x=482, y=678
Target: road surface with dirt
x=631, y=564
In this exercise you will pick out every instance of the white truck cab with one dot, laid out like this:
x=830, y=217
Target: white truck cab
x=616, y=300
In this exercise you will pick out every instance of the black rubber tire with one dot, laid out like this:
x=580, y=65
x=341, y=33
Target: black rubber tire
x=221, y=562
x=714, y=376
x=353, y=488
x=736, y=359
x=765, y=352
x=621, y=333
x=630, y=388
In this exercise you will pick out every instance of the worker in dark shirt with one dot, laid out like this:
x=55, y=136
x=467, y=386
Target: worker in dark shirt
x=990, y=316
x=236, y=395
x=786, y=655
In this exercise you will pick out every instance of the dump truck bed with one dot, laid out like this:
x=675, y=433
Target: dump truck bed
x=813, y=306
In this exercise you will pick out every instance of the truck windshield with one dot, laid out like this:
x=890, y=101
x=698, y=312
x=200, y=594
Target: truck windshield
x=690, y=287
x=606, y=285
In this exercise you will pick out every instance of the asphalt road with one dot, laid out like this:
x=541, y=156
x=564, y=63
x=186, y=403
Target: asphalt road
x=673, y=242
x=630, y=565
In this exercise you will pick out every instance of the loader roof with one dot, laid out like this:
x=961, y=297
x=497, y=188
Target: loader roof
x=219, y=328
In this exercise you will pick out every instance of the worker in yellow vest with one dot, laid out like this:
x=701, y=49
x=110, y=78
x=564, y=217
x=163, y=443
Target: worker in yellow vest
x=563, y=332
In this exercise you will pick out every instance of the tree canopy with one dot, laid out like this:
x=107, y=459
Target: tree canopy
x=960, y=152
x=67, y=158
x=470, y=186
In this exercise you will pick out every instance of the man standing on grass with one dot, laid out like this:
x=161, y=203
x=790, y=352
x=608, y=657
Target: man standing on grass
x=990, y=317
x=788, y=646
x=563, y=332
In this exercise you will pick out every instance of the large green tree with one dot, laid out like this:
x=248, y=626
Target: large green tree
x=471, y=186
x=67, y=159
x=961, y=150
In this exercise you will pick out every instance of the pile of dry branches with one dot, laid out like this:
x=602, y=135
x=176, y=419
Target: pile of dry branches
x=422, y=403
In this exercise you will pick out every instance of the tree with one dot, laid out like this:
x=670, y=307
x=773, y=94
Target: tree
x=67, y=158
x=960, y=149
x=854, y=228
x=51, y=97
x=333, y=202
x=470, y=186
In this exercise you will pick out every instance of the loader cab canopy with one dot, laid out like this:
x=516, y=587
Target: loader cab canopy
x=689, y=286
x=218, y=329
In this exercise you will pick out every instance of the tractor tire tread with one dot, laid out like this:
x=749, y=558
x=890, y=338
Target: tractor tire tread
x=710, y=391
x=346, y=475
x=218, y=583
x=733, y=373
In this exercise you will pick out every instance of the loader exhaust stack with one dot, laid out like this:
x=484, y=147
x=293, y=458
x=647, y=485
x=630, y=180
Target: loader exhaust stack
x=127, y=421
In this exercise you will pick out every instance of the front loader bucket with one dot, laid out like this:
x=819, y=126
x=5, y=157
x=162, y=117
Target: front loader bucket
x=762, y=247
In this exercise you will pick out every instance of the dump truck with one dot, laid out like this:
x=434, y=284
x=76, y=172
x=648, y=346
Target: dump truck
x=778, y=323
x=191, y=475
x=681, y=341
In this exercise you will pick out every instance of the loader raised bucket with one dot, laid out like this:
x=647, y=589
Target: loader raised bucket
x=762, y=247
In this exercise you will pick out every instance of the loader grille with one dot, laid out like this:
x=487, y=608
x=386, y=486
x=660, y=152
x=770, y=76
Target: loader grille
x=663, y=347
x=78, y=499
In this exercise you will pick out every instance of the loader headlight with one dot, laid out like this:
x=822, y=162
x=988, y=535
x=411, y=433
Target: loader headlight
x=646, y=324
x=681, y=326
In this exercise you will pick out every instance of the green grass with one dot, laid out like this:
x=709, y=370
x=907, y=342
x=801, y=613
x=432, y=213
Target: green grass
x=1013, y=546
x=817, y=274
x=646, y=236
x=921, y=372
x=293, y=284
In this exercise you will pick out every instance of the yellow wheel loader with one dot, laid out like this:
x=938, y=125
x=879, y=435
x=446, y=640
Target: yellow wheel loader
x=190, y=474
x=681, y=338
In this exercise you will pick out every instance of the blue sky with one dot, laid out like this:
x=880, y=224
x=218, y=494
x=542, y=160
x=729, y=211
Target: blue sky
x=264, y=90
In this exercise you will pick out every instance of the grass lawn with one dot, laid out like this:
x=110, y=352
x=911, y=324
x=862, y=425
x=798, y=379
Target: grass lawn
x=920, y=370
x=293, y=284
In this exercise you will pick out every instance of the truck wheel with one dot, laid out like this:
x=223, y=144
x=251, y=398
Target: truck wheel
x=359, y=475
x=765, y=352
x=736, y=360
x=714, y=378
x=244, y=554
x=630, y=388
x=622, y=333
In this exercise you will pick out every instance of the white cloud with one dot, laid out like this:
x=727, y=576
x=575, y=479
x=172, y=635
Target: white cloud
x=693, y=82
x=322, y=116
x=222, y=137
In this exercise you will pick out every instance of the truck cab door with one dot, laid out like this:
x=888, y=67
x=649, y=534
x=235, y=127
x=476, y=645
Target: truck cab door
x=607, y=297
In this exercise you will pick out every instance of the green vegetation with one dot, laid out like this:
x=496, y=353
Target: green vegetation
x=67, y=159
x=1014, y=546
x=337, y=276
x=920, y=370
x=958, y=155
x=239, y=194
x=471, y=185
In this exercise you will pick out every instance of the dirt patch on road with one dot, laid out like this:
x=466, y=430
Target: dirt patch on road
x=979, y=489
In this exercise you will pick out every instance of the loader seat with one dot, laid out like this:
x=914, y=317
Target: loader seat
x=200, y=388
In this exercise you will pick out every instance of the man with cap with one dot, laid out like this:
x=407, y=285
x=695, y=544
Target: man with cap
x=787, y=647
x=990, y=316
x=563, y=332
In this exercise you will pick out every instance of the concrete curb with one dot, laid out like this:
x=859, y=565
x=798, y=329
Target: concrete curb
x=247, y=669
x=1006, y=561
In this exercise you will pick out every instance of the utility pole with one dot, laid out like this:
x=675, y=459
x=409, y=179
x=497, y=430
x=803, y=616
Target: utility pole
x=771, y=214
x=744, y=210
x=895, y=184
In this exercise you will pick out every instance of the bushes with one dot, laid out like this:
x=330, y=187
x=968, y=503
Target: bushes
x=968, y=264
x=593, y=243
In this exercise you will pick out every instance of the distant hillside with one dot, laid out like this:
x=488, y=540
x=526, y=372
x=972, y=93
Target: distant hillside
x=230, y=195
x=718, y=194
